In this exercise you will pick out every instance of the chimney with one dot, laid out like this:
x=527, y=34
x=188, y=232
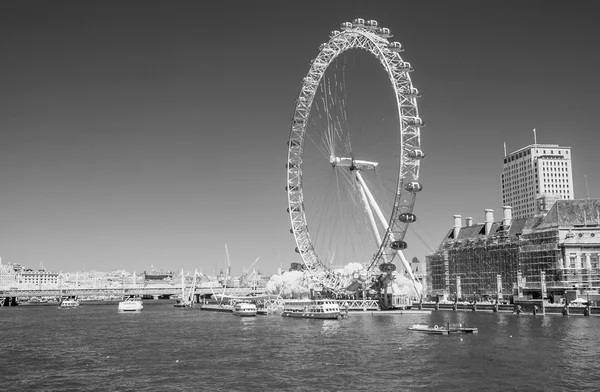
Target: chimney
x=507, y=220
x=469, y=221
x=489, y=219
x=457, y=225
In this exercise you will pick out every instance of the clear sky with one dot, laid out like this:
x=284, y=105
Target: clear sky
x=138, y=133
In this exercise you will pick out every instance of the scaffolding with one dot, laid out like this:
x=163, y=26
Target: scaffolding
x=539, y=258
x=540, y=252
x=478, y=262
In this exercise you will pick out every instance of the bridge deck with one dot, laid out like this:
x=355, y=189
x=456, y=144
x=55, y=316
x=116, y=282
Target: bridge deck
x=83, y=292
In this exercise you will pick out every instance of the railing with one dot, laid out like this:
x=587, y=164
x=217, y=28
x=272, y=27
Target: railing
x=364, y=304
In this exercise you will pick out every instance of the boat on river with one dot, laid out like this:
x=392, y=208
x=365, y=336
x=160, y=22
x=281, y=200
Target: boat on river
x=443, y=329
x=69, y=303
x=131, y=304
x=315, y=309
x=244, y=309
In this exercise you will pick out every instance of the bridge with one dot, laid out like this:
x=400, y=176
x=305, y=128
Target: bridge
x=116, y=292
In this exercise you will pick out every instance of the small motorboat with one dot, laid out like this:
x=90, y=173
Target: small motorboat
x=131, y=304
x=429, y=329
x=69, y=303
x=443, y=329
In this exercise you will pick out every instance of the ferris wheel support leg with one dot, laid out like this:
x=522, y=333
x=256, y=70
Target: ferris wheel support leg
x=370, y=214
x=372, y=200
x=385, y=224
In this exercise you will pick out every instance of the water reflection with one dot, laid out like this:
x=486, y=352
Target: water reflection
x=329, y=327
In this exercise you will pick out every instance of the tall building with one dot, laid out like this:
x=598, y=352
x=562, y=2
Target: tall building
x=534, y=177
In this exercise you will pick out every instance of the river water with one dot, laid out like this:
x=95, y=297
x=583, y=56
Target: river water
x=163, y=348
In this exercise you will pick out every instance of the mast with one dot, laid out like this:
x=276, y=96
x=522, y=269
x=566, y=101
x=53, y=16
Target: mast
x=193, y=289
x=182, y=287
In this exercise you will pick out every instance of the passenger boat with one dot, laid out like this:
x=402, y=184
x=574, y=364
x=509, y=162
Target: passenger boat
x=69, y=303
x=315, y=309
x=244, y=309
x=131, y=304
x=442, y=330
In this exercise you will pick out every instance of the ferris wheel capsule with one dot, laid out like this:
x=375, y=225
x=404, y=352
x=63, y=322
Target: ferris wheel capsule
x=371, y=24
x=413, y=93
x=416, y=154
x=384, y=32
x=398, y=245
x=405, y=67
x=333, y=33
x=358, y=22
x=414, y=187
x=396, y=46
x=407, y=217
x=346, y=25
x=415, y=122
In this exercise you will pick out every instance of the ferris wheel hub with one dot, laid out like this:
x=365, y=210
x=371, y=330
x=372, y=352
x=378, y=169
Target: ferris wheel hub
x=353, y=164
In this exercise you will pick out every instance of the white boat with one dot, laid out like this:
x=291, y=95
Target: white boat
x=131, y=304
x=443, y=329
x=244, y=309
x=316, y=309
x=69, y=303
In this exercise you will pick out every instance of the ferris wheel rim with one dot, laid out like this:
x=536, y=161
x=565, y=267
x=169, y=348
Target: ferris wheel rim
x=409, y=122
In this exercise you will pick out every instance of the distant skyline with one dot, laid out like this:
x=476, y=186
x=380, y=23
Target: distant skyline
x=153, y=133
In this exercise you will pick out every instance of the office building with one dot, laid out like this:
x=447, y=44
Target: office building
x=534, y=177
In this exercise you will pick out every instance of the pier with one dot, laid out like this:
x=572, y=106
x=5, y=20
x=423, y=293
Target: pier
x=532, y=307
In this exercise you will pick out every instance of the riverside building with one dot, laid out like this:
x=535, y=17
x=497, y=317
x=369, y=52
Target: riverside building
x=534, y=177
x=537, y=257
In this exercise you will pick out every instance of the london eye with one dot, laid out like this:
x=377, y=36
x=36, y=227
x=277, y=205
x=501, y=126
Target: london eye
x=354, y=155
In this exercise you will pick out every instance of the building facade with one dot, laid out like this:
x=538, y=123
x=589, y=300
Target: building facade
x=534, y=177
x=539, y=255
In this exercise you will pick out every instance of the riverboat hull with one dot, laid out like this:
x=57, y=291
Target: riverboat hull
x=443, y=330
x=323, y=316
x=316, y=309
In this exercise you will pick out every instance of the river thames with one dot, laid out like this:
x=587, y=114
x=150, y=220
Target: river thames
x=96, y=348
